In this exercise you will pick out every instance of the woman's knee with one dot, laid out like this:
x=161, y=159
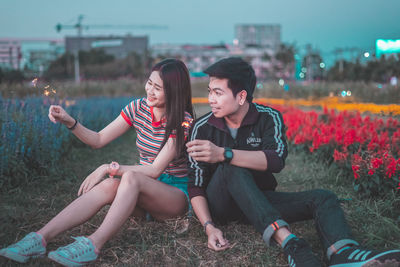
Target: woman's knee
x=131, y=179
x=109, y=185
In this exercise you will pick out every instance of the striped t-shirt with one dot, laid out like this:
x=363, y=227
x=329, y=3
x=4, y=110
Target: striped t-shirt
x=150, y=135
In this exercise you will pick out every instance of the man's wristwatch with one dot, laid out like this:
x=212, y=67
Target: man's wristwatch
x=228, y=154
x=207, y=223
x=113, y=169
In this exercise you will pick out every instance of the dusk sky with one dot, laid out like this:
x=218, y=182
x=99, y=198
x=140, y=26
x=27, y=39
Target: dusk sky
x=326, y=24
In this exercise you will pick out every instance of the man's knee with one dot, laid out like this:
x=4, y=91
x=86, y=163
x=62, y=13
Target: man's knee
x=228, y=171
x=239, y=171
x=324, y=196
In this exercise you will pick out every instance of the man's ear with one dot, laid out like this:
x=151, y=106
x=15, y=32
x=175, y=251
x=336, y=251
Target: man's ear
x=242, y=97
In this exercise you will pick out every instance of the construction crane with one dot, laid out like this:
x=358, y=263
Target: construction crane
x=80, y=27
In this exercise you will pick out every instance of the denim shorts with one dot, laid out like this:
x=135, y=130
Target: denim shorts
x=179, y=182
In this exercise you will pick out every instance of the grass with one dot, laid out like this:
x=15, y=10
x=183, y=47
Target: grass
x=182, y=242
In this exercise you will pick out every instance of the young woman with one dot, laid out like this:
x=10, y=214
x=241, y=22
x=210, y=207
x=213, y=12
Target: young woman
x=158, y=185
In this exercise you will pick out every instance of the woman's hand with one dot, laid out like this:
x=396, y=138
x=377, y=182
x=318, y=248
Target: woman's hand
x=216, y=240
x=58, y=114
x=93, y=179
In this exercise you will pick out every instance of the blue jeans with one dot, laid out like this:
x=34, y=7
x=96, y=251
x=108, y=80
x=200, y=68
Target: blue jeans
x=233, y=196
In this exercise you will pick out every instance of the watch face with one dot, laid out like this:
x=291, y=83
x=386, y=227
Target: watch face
x=114, y=165
x=228, y=154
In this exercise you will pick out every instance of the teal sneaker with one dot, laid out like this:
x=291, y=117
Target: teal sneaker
x=79, y=253
x=359, y=257
x=32, y=245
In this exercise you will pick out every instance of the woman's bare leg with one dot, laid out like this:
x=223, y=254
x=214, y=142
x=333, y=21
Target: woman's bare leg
x=81, y=209
x=161, y=200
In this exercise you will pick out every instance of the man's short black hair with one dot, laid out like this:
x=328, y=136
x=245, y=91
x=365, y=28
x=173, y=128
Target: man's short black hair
x=239, y=73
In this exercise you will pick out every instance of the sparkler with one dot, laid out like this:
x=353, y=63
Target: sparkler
x=47, y=90
x=186, y=124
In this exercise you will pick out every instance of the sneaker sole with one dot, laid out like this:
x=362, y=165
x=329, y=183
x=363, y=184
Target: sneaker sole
x=386, y=263
x=64, y=261
x=20, y=258
x=377, y=261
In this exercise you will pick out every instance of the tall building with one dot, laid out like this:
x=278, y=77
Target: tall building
x=10, y=53
x=32, y=53
x=264, y=35
x=118, y=46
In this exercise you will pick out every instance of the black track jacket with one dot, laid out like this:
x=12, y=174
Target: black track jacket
x=262, y=129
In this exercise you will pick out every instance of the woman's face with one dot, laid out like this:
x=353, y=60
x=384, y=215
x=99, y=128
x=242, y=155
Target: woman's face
x=155, y=91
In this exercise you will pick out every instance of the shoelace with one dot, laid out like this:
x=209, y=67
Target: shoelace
x=78, y=248
x=26, y=243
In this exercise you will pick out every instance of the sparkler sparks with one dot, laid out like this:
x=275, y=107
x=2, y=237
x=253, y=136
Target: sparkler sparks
x=186, y=124
x=34, y=82
x=47, y=89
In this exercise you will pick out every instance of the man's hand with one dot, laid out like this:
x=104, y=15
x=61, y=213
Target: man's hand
x=206, y=151
x=216, y=240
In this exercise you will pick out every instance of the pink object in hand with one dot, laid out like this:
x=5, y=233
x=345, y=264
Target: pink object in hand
x=113, y=169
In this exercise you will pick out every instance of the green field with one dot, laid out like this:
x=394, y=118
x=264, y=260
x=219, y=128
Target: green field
x=29, y=206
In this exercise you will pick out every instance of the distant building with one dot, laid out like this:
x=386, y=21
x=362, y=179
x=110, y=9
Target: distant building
x=32, y=53
x=196, y=57
x=264, y=35
x=199, y=57
x=10, y=53
x=118, y=46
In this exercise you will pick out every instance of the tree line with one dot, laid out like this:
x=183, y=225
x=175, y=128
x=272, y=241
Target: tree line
x=97, y=65
x=376, y=70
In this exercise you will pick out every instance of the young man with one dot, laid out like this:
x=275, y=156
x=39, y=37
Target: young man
x=233, y=152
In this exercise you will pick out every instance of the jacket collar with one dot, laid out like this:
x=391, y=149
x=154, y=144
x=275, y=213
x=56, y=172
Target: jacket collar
x=250, y=119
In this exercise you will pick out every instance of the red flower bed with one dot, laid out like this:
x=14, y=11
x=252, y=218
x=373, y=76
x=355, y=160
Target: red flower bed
x=367, y=146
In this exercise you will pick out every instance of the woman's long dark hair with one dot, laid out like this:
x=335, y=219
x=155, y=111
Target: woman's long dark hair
x=178, y=98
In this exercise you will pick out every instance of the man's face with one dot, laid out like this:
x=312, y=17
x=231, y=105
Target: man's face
x=221, y=99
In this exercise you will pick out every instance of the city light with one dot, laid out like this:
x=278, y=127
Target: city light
x=387, y=46
x=281, y=82
x=345, y=93
x=322, y=65
x=366, y=54
x=304, y=69
x=301, y=75
x=286, y=87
